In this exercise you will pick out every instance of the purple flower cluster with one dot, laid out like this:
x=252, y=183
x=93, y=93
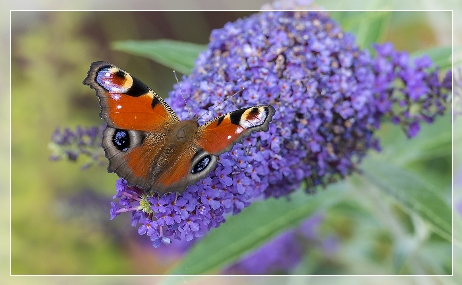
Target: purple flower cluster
x=409, y=93
x=68, y=144
x=330, y=97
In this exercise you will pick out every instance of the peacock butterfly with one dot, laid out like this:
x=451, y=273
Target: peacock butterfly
x=147, y=144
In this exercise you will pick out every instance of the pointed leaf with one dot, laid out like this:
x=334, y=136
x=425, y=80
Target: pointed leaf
x=367, y=26
x=174, y=54
x=410, y=191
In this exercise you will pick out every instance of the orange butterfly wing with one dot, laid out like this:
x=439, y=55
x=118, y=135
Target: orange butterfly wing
x=220, y=134
x=126, y=102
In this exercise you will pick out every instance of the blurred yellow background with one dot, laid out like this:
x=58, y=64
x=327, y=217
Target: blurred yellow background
x=60, y=214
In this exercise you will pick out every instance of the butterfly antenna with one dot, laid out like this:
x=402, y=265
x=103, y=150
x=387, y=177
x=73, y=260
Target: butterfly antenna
x=182, y=95
x=219, y=103
x=237, y=92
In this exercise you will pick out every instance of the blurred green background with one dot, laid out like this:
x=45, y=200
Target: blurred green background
x=69, y=223
x=60, y=214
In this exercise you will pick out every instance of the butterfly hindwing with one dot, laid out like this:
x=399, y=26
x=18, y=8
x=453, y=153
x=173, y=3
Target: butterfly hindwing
x=191, y=167
x=126, y=102
x=157, y=161
x=220, y=134
x=127, y=155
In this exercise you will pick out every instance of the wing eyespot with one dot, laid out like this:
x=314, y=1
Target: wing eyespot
x=201, y=165
x=121, y=140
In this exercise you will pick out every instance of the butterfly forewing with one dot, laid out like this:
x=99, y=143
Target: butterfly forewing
x=126, y=102
x=220, y=134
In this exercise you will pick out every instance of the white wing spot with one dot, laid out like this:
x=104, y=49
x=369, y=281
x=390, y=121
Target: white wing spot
x=239, y=130
x=256, y=121
x=115, y=96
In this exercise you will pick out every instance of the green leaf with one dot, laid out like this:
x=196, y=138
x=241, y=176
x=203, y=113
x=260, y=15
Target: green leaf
x=412, y=193
x=367, y=26
x=441, y=56
x=252, y=227
x=174, y=54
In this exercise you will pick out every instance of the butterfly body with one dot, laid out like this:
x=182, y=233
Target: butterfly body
x=149, y=146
